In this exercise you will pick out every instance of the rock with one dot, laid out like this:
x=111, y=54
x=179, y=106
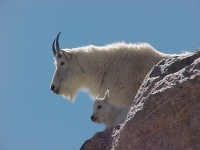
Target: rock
x=100, y=141
x=170, y=118
x=165, y=113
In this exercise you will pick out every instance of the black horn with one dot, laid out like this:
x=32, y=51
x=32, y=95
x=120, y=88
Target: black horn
x=53, y=48
x=57, y=44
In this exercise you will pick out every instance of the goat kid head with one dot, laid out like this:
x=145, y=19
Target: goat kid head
x=100, y=109
x=65, y=81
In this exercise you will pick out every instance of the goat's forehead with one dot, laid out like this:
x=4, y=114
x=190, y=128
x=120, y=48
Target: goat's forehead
x=58, y=60
x=98, y=102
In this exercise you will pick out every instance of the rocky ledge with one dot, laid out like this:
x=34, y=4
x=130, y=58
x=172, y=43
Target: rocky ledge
x=165, y=113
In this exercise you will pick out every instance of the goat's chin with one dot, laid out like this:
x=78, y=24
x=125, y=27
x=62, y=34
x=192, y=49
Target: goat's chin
x=57, y=92
x=67, y=93
x=69, y=97
x=98, y=121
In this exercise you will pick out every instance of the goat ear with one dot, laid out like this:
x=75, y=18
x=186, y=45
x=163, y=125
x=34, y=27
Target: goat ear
x=106, y=96
x=97, y=97
x=67, y=54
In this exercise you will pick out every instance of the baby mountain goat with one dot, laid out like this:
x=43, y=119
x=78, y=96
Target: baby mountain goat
x=108, y=113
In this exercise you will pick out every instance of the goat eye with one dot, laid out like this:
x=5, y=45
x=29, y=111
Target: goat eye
x=62, y=63
x=99, y=107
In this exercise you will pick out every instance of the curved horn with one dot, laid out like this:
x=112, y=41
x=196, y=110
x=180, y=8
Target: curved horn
x=53, y=48
x=57, y=44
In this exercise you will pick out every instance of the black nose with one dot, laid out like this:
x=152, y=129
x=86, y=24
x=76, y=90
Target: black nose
x=52, y=87
x=92, y=117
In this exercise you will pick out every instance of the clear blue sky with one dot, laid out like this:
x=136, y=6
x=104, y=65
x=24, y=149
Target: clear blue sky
x=31, y=116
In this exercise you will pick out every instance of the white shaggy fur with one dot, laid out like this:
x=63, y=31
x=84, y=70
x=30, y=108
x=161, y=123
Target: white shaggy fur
x=108, y=113
x=118, y=67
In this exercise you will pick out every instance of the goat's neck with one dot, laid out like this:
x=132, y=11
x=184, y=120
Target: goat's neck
x=113, y=113
x=93, y=73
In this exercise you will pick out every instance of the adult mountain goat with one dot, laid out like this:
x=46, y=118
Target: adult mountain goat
x=119, y=67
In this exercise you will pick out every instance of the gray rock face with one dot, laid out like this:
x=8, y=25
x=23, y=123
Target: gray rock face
x=100, y=141
x=165, y=114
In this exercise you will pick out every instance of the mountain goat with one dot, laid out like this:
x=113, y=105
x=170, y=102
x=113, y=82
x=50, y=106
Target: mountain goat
x=119, y=67
x=108, y=113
